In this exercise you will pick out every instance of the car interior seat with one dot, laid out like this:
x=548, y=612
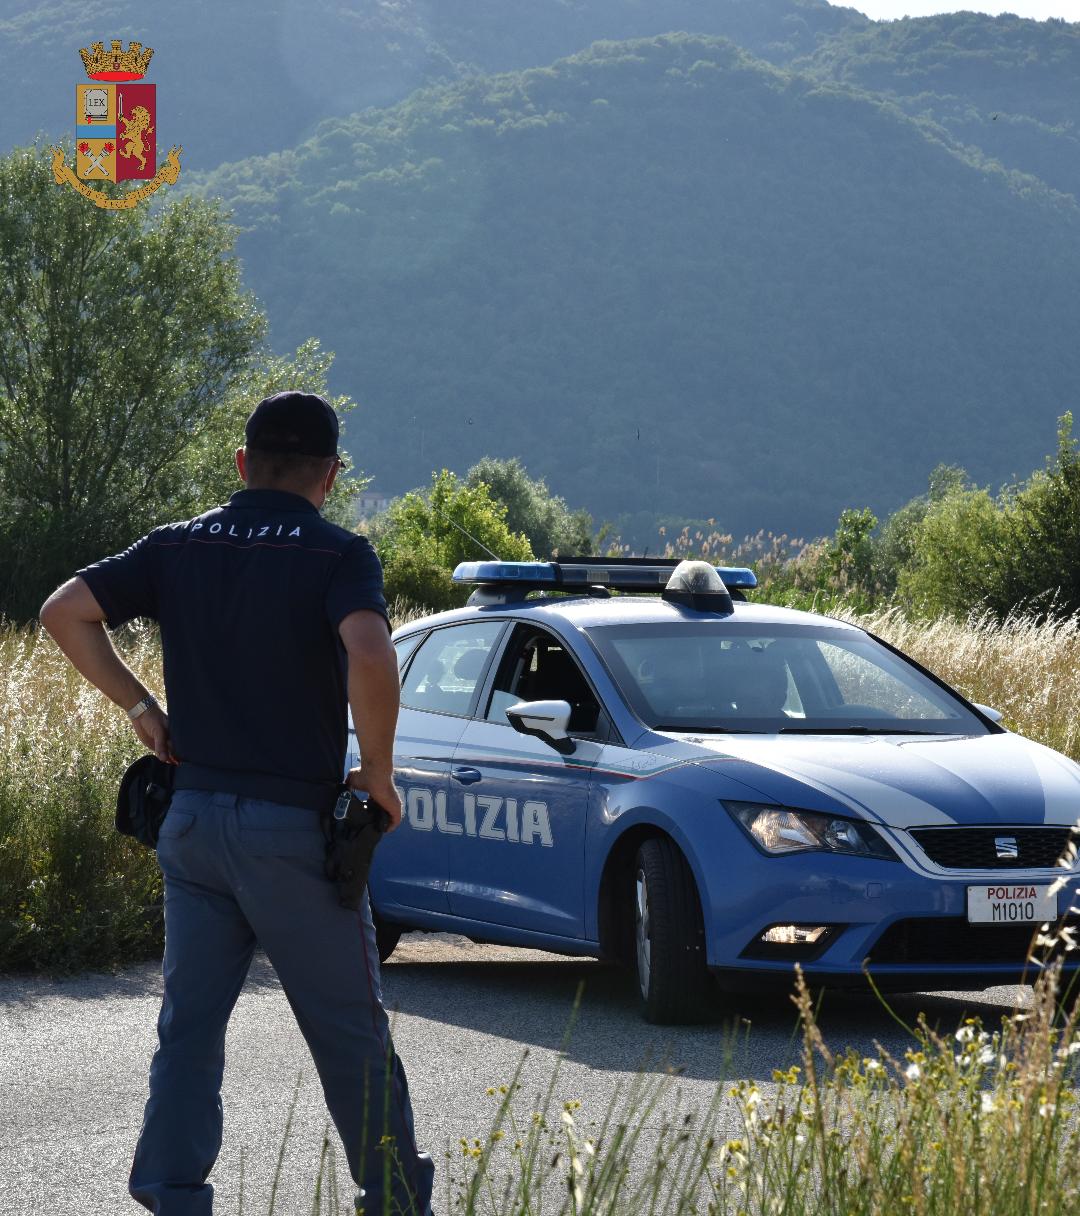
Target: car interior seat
x=557, y=678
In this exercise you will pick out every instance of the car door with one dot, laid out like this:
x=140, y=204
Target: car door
x=518, y=807
x=439, y=686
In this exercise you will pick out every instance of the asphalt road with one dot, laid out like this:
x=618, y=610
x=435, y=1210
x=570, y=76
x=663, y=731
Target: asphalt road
x=74, y=1056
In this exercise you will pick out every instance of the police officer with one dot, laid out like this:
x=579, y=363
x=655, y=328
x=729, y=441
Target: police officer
x=271, y=619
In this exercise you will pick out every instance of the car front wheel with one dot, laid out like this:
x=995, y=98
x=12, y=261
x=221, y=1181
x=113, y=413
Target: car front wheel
x=669, y=936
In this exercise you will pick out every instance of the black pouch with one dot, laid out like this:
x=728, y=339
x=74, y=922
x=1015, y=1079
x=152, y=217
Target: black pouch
x=353, y=829
x=145, y=792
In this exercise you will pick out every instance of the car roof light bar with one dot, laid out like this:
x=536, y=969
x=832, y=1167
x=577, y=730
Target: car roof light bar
x=617, y=573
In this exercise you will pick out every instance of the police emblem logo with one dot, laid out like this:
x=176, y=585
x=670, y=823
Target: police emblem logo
x=115, y=128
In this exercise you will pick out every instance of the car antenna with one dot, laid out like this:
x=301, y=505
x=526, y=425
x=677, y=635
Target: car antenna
x=454, y=522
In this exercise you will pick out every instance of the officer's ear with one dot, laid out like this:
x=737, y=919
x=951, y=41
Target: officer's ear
x=241, y=464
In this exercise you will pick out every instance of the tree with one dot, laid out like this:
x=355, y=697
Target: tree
x=532, y=509
x=961, y=554
x=1045, y=521
x=894, y=546
x=1014, y=551
x=124, y=337
x=424, y=534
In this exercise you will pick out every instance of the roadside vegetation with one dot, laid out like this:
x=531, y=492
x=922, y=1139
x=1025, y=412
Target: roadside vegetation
x=979, y=1120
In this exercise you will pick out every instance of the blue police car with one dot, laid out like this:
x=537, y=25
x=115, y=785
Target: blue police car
x=710, y=790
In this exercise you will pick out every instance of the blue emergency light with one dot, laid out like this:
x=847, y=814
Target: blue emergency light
x=615, y=573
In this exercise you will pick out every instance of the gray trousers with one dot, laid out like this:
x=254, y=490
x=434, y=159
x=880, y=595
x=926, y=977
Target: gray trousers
x=240, y=872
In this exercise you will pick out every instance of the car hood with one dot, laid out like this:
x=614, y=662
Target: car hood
x=901, y=781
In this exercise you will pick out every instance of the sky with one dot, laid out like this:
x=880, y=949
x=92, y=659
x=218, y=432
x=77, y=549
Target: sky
x=1037, y=9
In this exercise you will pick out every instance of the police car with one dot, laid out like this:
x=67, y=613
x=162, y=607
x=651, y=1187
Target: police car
x=710, y=790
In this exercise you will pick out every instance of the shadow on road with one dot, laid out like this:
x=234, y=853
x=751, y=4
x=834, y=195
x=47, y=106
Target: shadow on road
x=142, y=981
x=531, y=1003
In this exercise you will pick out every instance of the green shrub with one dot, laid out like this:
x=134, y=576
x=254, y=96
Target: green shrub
x=418, y=579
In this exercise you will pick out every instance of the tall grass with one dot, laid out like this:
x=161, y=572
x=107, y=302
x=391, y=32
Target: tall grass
x=975, y=1122
x=74, y=893
x=1030, y=670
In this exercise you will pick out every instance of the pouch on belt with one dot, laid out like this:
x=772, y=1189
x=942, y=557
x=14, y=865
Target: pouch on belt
x=146, y=789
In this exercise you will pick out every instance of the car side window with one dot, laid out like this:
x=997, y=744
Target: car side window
x=404, y=647
x=537, y=667
x=445, y=669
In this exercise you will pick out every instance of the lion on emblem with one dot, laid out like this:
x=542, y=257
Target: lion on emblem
x=135, y=128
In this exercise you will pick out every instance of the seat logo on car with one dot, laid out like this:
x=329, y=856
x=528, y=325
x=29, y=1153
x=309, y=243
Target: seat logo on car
x=482, y=815
x=1007, y=848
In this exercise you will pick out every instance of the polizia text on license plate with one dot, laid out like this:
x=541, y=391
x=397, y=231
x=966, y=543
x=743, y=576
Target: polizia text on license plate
x=1010, y=904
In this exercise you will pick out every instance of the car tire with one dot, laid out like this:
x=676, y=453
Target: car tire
x=387, y=936
x=669, y=936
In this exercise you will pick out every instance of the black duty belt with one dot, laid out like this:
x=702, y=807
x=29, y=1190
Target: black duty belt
x=315, y=796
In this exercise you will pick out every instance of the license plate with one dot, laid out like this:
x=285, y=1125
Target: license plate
x=1010, y=903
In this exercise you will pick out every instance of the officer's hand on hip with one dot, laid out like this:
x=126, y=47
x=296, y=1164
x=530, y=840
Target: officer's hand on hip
x=152, y=727
x=380, y=788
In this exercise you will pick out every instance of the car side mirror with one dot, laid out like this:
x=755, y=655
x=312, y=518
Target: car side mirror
x=995, y=715
x=547, y=720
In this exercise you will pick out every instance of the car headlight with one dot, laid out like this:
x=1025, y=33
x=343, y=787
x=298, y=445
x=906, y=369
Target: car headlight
x=779, y=829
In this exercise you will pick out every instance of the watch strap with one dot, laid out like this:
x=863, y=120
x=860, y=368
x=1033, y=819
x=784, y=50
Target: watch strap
x=140, y=707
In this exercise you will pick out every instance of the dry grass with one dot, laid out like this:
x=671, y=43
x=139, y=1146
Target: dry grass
x=1028, y=670
x=73, y=892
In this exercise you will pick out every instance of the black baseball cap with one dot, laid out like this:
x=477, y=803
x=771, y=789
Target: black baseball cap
x=299, y=424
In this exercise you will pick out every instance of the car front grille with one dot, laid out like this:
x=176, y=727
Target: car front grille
x=976, y=848
x=950, y=939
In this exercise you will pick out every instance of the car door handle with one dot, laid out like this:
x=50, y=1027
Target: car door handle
x=466, y=775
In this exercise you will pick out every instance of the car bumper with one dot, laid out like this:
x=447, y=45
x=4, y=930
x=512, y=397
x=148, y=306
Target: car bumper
x=910, y=931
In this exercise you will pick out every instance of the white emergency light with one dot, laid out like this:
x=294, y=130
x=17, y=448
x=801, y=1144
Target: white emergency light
x=696, y=584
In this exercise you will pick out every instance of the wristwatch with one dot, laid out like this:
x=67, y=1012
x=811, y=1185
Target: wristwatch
x=140, y=707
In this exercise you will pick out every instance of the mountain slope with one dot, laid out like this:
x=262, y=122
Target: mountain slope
x=247, y=77
x=673, y=278
x=1004, y=84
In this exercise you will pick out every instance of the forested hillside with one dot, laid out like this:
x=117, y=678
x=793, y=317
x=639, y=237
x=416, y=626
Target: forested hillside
x=674, y=278
x=1005, y=85
x=250, y=76
x=756, y=282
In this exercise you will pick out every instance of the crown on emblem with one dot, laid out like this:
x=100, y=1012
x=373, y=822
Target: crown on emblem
x=116, y=63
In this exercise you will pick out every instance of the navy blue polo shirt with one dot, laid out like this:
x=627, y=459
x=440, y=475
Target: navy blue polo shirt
x=249, y=597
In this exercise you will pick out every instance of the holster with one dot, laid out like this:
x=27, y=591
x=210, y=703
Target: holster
x=146, y=789
x=352, y=829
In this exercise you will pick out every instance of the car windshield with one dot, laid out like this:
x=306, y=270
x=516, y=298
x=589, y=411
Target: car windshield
x=727, y=676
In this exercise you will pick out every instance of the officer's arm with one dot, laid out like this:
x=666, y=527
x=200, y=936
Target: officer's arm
x=374, y=691
x=76, y=622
